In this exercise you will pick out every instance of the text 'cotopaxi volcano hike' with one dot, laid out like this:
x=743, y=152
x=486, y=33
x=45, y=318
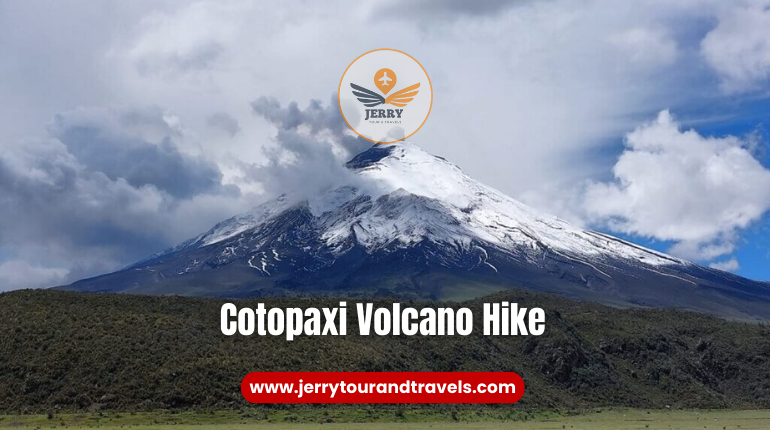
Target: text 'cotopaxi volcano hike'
x=412, y=225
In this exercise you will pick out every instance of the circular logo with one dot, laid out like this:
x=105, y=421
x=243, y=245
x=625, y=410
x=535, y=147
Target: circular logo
x=385, y=96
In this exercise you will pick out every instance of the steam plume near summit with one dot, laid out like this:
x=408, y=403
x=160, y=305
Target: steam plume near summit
x=310, y=148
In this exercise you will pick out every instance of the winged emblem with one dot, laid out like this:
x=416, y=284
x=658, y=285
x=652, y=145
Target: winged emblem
x=400, y=98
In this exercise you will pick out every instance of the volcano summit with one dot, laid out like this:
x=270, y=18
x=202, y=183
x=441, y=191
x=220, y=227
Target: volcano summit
x=413, y=225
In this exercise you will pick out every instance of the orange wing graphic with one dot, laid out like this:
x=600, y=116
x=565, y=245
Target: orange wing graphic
x=402, y=97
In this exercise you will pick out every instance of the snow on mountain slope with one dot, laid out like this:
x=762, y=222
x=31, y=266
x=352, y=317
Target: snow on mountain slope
x=454, y=209
x=412, y=225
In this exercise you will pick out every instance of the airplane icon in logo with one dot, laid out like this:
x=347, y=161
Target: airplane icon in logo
x=385, y=79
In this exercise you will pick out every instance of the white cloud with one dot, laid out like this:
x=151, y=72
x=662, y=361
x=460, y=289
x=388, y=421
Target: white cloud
x=191, y=40
x=738, y=49
x=21, y=274
x=730, y=265
x=646, y=47
x=677, y=185
x=707, y=250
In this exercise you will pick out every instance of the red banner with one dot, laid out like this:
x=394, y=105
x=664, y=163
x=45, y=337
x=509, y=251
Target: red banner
x=382, y=387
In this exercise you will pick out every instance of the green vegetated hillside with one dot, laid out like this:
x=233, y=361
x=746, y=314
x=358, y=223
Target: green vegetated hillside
x=76, y=351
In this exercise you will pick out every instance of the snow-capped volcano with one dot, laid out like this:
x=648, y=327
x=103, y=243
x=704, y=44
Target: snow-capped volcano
x=403, y=196
x=412, y=224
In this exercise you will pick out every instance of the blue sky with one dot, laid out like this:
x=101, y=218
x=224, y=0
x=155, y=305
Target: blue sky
x=127, y=127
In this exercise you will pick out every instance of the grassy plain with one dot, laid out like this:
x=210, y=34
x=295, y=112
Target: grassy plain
x=355, y=418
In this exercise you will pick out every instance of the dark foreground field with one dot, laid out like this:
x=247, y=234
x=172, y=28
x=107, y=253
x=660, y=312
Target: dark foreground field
x=68, y=352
